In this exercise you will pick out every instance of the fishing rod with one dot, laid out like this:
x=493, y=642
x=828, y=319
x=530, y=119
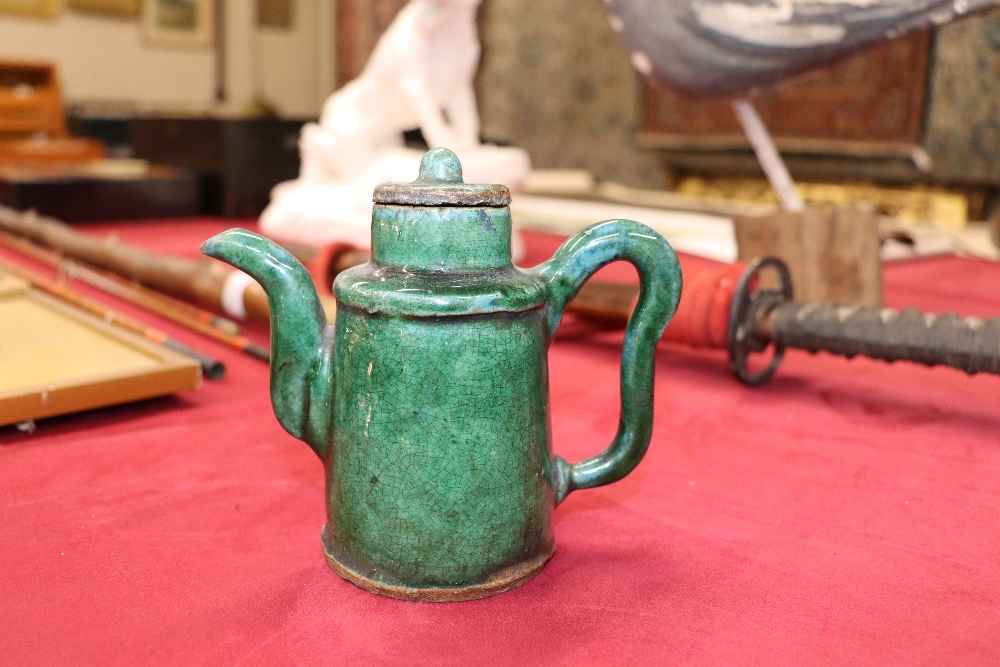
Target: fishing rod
x=200, y=321
x=211, y=368
x=203, y=280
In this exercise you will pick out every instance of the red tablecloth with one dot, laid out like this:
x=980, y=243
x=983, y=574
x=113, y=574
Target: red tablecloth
x=845, y=513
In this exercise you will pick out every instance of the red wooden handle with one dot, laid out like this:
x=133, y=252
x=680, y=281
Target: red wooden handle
x=703, y=314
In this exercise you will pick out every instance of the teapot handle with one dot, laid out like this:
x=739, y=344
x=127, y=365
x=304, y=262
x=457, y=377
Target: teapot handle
x=660, y=279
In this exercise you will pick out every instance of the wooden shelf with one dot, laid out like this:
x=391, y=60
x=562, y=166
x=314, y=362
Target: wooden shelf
x=32, y=120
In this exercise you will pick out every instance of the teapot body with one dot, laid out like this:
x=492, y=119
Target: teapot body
x=439, y=482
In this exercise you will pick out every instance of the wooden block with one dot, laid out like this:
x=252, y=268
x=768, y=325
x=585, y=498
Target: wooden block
x=48, y=153
x=831, y=251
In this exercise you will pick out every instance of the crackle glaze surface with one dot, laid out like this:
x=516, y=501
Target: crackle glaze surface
x=441, y=443
x=428, y=398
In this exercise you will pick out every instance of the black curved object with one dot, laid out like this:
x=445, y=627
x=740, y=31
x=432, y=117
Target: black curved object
x=748, y=306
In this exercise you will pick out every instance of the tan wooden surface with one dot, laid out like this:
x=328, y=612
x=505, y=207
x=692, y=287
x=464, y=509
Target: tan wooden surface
x=56, y=359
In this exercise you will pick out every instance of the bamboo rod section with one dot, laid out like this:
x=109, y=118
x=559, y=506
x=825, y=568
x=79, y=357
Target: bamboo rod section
x=202, y=279
x=157, y=302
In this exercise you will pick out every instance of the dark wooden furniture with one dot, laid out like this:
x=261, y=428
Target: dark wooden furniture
x=922, y=108
x=75, y=196
x=238, y=160
x=867, y=112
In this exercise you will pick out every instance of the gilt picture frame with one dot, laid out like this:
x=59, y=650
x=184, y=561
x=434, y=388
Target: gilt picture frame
x=178, y=23
x=122, y=8
x=36, y=8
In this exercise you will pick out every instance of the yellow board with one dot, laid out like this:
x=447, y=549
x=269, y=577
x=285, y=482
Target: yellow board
x=56, y=359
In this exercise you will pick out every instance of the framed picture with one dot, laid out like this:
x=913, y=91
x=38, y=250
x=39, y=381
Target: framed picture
x=182, y=23
x=274, y=13
x=126, y=8
x=43, y=8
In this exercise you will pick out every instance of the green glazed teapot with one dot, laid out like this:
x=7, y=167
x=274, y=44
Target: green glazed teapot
x=427, y=400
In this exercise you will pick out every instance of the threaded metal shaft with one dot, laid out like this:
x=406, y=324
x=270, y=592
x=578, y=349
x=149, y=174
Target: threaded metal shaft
x=969, y=344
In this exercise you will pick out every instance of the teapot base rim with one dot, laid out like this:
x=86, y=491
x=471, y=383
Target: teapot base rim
x=507, y=579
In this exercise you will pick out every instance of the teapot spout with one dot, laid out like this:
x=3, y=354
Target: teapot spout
x=302, y=344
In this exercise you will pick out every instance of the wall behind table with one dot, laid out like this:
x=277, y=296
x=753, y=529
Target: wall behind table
x=105, y=59
x=556, y=81
x=963, y=116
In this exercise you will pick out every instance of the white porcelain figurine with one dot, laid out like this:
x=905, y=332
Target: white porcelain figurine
x=419, y=76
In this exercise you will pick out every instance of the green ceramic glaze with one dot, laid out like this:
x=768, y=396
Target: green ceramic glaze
x=428, y=398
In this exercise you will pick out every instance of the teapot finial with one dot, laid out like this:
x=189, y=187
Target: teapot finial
x=440, y=165
x=439, y=183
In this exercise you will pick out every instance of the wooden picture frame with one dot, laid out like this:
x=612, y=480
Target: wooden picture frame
x=59, y=359
x=178, y=23
x=38, y=8
x=123, y=8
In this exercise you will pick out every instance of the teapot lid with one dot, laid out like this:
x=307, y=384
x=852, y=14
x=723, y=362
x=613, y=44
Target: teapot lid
x=440, y=183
